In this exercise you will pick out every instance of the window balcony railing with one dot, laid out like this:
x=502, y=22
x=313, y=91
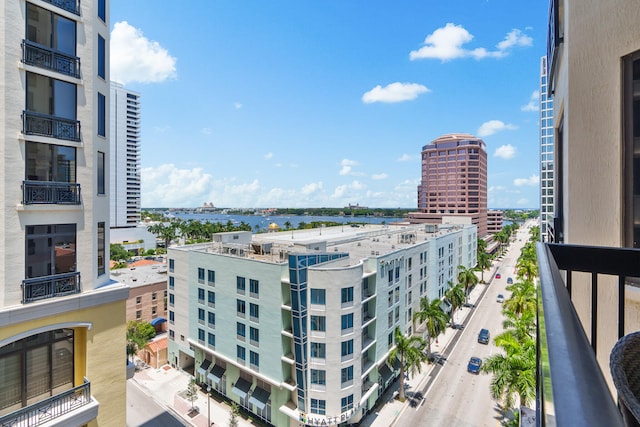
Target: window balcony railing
x=571, y=387
x=48, y=410
x=50, y=193
x=39, y=288
x=50, y=59
x=50, y=126
x=72, y=6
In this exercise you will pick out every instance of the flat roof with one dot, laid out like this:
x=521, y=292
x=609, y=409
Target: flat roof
x=140, y=275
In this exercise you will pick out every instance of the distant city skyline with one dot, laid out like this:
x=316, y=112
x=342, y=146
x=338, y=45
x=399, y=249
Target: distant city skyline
x=251, y=105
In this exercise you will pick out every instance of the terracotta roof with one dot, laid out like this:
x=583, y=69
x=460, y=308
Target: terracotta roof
x=143, y=262
x=157, y=345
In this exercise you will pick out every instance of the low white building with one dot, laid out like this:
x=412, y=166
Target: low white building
x=297, y=326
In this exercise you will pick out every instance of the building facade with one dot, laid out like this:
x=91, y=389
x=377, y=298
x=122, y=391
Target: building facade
x=147, y=300
x=125, y=157
x=62, y=325
x=494, y=221
x=454, y=181
x=296, y=327
x=593, y=64
x=546, y=153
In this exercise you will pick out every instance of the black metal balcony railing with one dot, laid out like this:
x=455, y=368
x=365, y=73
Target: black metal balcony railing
x=39, y=288
x=50, y=59
x=571, y=387
x=51, y=408
x=72, y=6
x=52, y=193
x=54, y=127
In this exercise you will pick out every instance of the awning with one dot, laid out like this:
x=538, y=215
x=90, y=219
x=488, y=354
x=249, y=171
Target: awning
x=385, y=372
x=204, y=366
x=241, y=387
x=216, y=373
x=259, y=397
x=157, y=321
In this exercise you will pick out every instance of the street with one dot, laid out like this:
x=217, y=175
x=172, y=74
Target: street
x=456, y=397
x=142, y=410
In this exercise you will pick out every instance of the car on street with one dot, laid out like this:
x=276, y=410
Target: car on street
x=500, y=298
x=474, y=365
x=509, y=281
x=498, y=276
x=483, y=336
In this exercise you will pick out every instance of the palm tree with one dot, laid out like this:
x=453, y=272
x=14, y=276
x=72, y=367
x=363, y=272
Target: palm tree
x=522, y=299
x=522, y=327
x=456, y=297
x=410, y=352
x=436, y=319
x=484, y=263
x=467, y=277
x=287, y=225
x=526, y=269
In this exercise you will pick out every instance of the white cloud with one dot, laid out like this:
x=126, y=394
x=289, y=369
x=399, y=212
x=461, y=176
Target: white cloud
x=166, y=185
x=532, y=105
x=505, y=151
x=348, y=189
x=378, y=176
x=531, y=181
x=522, y=202
x=207, y=131
x=347, y=166
x=493, y=126
x=135, y=58
x=446, y=43
x=268, y=156
x=311, y=188
x=404, y=158
x=394, y=92
x=237, y=105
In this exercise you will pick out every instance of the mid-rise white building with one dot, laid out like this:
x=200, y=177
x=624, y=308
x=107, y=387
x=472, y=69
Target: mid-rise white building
x=297, y=326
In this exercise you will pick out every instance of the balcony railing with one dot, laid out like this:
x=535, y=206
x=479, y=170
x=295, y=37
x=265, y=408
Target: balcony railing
x=72, y=6
x=39, y=288
x=571, y=387
x=46, y=125
x=51, y=408
x=50, y=193
x=50, y=59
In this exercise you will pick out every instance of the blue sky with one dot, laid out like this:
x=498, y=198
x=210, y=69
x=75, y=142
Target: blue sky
x=325, y=103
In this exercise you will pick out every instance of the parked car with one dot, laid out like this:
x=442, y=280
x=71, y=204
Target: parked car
x=498, y=276
x=483, y=336
x=509, y=281
x=500, y=298
x=474, y=365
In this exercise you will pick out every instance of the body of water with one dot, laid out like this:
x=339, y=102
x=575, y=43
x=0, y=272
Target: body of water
x=264, y=221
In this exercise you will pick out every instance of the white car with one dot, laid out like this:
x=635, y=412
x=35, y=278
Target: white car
x=500, y=298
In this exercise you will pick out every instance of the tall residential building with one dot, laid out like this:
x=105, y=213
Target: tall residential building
x=593, y=66
x=297, y=326
x=454, y=181
x=546, y=153
x=125, y=157
x=62, y=320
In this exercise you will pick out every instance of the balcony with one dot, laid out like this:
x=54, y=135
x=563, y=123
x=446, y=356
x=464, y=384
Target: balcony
x=39, y=288
x=40, y=56
x=571, y=387
x=50, y=193
x=72, y=6
x=71, y=407
x=50, y=126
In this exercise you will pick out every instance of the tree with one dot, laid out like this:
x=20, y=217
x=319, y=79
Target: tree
x=484, y=263
x=456, y=297
x=192, y=392
x=522, y=299
x=410, y=352
x=118, y=252
x=164, y=232
x=436, y=319
x=138, y=334
x=467, y=277
x=287, y=225
x=526, y=269
x=235, y=412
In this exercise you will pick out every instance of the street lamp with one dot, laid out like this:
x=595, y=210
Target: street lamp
x=208, y=406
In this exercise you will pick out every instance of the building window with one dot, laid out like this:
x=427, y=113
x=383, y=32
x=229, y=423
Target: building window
x=318, y=296
x=240, y=331
x=138, y=314
x=318, y=323
x=211, y=277
x=38, y=366
x=254, y=336
x=200, y=275
x=631, y=149
x=318, y=406
x=211, y=298
x=240, y=285
x=50, y=163
x=51, y=249
x=211, y=339
x=100, y=170
x=254, y=312
x=172, y=283
x=172, y=317
x=347, y=403
x=154, y=296
x=171, y=264
x=346, y=295
x=102, y=265
x=346, y=375
x=347, y=321
x=318, y=376
x=254, y=288
x=154, y=310
x=241, y=308
x=201, y=316
x=201, y=335
x=102, y=10
x=318, y=350
x=171, y=299
x=254, y=360
x=102, y=115
x=241, y=353
x=201, y=296
x=102, y=57
x=347, y=348
x=138, y=300
x=211, y=319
